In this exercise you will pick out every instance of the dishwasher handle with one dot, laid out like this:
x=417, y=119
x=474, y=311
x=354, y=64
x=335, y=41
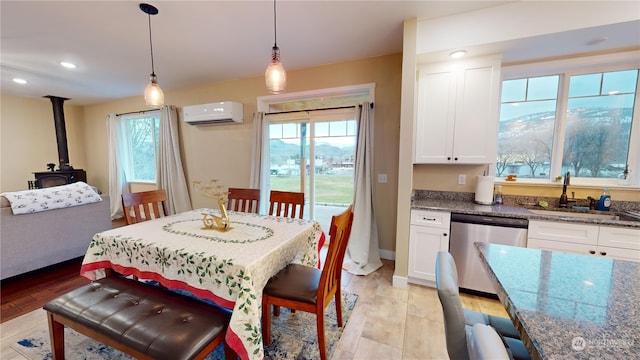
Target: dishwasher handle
x=490, y=220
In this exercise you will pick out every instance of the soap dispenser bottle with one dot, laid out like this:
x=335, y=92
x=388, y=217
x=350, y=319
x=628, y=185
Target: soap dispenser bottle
x=605, y=201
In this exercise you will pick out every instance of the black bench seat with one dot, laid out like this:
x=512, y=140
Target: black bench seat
x=142, y=320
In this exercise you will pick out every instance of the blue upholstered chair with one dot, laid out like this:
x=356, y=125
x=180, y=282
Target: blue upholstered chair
x=484, y=343
x=457, y=319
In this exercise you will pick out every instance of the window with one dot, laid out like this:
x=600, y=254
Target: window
x=322, y=140
x=570, y=120
x=141, y=145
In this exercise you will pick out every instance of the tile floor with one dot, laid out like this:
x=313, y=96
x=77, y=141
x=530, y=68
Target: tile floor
x=392, y=323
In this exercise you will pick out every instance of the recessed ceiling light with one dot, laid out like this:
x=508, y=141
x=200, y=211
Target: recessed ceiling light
x=597, y=40
x=19, y=81
x=68, y=65
x=458, y=54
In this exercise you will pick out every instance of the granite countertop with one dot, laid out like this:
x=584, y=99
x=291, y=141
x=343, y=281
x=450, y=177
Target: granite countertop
x=568, y=306
x=466, y=206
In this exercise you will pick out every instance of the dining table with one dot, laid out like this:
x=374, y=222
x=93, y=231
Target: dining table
x=567, y=306
x=228, y=267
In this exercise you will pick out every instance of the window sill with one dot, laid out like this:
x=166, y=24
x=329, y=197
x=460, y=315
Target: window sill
x=546, y=183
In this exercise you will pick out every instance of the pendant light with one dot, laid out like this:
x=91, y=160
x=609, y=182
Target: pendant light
x=153, y=95
x=275, y=76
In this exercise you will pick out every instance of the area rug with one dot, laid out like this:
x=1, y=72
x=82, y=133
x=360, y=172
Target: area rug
x=293, y=336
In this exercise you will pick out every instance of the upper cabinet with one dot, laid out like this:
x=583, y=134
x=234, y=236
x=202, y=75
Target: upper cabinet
x=457, y=115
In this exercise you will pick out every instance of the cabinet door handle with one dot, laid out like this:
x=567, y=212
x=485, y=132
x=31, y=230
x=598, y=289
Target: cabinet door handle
x=455, y=158
x=448, y=157
x=428, y=219
x=592, y=252
x=603, y=253
x=444, y=234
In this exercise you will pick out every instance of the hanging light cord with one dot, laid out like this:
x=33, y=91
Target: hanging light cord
x=153, y=73
x=275, y=30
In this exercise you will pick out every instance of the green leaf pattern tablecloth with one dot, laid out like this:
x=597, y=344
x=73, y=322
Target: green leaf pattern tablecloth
x=230, y=268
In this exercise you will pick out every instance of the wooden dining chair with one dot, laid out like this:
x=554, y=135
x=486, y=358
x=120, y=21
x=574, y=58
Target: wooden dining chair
x=244, y=200
x=145, y=205
x=286, y=203
x=308, y=289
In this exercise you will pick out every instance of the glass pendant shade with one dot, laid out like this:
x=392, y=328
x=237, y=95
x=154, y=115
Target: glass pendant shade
x=275, y=76
x=153, y=95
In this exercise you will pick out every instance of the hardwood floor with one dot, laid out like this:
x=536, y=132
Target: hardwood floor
x=26, y=293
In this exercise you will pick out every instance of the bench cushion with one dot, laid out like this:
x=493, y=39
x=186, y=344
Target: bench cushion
x=145, y=318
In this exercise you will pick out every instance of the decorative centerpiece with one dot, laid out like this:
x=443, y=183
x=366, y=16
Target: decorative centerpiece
x=215, y=191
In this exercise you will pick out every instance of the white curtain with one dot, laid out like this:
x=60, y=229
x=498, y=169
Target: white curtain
x=170, y=173
x=255, y=182
x=363, y=257
x=117, y=174
x=257, y=154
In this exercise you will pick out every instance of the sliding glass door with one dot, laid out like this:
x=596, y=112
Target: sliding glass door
x=314, y=152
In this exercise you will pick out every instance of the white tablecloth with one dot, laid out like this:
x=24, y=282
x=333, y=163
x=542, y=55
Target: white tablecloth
x=231, y=268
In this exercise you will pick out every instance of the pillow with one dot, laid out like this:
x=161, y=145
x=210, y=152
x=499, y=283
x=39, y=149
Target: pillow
x=56, y=197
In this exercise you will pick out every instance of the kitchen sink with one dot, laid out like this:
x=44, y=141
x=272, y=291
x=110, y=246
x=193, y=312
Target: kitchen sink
x=560, y=213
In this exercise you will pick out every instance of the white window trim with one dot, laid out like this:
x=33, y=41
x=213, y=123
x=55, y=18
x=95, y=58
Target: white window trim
x=265, y=101
x=580, y=65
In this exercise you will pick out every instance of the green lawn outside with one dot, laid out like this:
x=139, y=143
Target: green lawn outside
x=330, y=189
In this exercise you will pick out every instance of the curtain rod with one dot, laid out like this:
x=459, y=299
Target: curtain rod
x=137, y=112
x=331, y=108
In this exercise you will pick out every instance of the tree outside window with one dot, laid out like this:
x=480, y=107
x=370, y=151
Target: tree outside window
x=142, y=141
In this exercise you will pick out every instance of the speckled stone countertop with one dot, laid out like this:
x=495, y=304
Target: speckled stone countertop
x=463, y=203
x=568, y=306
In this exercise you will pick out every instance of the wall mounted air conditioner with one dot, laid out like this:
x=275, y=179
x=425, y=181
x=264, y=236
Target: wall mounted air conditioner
x=226, y=112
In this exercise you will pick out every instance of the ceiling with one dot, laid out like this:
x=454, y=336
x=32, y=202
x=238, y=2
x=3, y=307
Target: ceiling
x=200, y=42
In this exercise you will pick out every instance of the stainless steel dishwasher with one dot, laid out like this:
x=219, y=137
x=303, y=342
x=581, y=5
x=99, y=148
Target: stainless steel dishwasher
x=468, y=229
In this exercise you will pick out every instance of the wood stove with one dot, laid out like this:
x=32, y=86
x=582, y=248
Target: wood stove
x=65, y=174
x=46, y=179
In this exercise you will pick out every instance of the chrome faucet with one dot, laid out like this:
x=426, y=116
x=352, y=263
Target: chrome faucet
x=563, y=198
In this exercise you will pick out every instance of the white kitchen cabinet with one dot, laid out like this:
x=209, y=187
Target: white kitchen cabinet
x=429, y=234
x=608, y=241
x=619, y=243
x=457, y=113
x=619, y=237
x=575, y=233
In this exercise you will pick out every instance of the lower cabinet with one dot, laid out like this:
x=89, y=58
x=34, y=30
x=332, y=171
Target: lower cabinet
x=608, y=241
x=428, y=235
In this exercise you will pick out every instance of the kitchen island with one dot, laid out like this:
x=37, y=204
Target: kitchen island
x=568, y=306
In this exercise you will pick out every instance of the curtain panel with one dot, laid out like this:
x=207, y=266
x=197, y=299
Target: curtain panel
x=363, y=255
x=170, y=172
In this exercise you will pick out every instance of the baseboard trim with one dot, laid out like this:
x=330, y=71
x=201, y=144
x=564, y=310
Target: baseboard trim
x=387, y=254
x=399, y=281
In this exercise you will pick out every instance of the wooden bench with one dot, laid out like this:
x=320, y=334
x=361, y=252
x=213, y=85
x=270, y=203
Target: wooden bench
x=142, y=320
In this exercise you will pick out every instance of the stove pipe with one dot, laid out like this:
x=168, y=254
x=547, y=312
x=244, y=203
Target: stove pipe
x=61, y=131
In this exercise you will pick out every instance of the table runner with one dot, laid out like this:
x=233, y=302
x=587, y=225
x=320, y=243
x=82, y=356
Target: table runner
x=230, y=268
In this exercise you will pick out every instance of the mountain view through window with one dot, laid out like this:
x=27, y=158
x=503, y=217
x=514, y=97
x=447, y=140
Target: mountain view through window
x=585, y=130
